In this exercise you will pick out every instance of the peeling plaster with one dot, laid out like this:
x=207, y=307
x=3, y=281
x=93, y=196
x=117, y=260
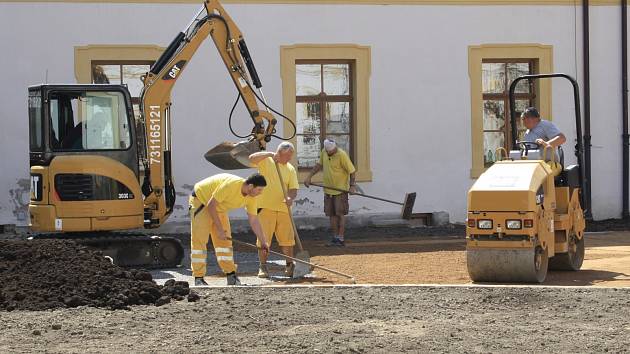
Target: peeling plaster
x=303, y=201
x=19, y=198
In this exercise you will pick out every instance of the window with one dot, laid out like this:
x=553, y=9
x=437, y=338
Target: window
x=116, y=64
x=325, y=87
x=122, y=73
x=323, y=107
x=491, y=68
x=89, y=121
x=497, y=76
x=35, y=120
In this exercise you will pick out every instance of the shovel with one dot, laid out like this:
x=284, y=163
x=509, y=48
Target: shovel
x=309, y=265
x=301, y=269
x=232, y=156
x=407, y=205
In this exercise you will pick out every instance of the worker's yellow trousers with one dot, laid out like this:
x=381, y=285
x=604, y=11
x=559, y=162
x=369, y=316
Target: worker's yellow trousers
x=202, y=226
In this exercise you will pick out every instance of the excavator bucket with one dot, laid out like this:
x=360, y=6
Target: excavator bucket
x=232, y=156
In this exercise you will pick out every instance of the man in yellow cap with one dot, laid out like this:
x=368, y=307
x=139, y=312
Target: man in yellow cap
x=209, y=204
x=338, y=173
x=273, y=207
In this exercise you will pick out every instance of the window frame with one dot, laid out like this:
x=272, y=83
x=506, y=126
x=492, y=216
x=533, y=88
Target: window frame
x=476, y=53
x=322, y=99
x=50, y=117
x=361, y=55
x=120, y=63
x=504, y=96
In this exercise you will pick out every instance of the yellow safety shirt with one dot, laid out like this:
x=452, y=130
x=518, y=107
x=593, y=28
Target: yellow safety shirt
x=225, y=188
x=337, y=170
x=272, y=196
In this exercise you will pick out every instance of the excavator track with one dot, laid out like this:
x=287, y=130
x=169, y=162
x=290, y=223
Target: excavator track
x=129, y=250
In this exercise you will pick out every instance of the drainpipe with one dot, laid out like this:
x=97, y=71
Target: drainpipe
x=624, y=104
x=587, y=111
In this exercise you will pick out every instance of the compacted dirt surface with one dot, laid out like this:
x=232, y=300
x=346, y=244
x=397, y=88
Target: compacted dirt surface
x=340, y=319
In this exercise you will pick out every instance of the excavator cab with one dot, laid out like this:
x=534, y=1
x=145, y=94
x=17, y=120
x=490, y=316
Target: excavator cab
x=83, y=158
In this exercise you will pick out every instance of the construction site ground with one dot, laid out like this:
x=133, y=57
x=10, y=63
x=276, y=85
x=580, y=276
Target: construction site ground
x=585, y=311
x=412, y=256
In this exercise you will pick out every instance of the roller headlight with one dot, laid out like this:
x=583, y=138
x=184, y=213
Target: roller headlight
x=513, y=224
x=484, y=224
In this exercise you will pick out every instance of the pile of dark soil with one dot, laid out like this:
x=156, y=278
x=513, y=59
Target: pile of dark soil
x=46, y=274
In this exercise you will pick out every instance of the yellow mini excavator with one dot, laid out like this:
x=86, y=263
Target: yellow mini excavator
x=525, y=212
x=94, y=171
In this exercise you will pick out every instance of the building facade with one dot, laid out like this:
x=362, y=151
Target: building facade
x=414, y=90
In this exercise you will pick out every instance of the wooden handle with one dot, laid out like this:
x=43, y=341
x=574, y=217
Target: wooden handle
x=284, y=192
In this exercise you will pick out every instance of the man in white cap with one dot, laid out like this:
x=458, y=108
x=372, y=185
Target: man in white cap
x=338, y=173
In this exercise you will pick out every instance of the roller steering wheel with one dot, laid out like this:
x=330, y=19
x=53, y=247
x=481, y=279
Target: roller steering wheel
x=528, y=145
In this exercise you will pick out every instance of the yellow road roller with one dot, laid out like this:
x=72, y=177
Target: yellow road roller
x=525, y=212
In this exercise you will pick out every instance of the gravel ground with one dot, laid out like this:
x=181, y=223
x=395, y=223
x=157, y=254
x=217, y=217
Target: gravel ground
x=340, y=319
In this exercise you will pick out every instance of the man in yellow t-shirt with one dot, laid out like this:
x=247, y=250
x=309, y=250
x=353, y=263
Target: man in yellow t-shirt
x=209, y=204
x=338, y=173
x=273, y=207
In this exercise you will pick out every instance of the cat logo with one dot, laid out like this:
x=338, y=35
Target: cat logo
x=174, y=71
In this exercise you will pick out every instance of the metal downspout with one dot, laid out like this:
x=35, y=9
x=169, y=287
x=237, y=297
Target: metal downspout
x=624, y=103
x=587, y=110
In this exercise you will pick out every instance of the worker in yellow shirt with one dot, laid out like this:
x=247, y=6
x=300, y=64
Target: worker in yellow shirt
x=209, y=204
x=273, y=207
x=338, y=173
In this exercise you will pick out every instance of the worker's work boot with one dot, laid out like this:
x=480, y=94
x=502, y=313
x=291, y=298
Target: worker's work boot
x=288, y=271
x=263, y=272
x=200, y=281
x=232, y=279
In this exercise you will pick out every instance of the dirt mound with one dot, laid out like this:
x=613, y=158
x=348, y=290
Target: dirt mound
x=46, y=274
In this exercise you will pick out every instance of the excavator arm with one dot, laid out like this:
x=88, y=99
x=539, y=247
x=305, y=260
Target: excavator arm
x=211, y=20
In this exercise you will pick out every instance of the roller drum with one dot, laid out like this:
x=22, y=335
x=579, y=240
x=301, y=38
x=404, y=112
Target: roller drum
x=513, y=265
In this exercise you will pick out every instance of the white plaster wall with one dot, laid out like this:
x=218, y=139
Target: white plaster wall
x=420, y=89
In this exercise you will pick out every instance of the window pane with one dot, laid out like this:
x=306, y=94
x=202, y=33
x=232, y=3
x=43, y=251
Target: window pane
x=308, y=79
x=338, y=117
x=131, y=77
x=519, y=69
x=337, y=79
x=491, y=141
x=106, y=74
x=520, y=107
x=308, y=149
x=308, y=117
x=92, y=121
x=35, y=121
x=493, y=115
x=493, y=77
x=343, y=141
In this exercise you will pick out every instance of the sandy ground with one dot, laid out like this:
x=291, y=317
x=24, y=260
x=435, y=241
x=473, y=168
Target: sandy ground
x=439, y=260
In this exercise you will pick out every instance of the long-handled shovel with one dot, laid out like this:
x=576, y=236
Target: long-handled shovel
x=301, y=269
x=299, y=261
x=407, y=205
